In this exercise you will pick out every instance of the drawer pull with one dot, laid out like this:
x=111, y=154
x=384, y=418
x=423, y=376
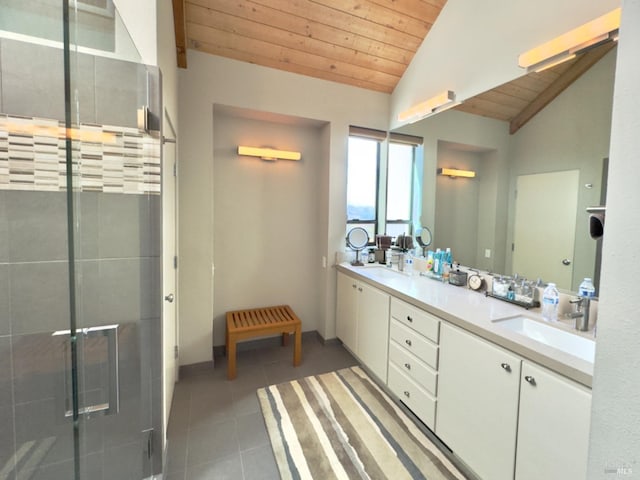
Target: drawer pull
x=407, y=394
x=360, y=289
x=407, y=366
x=354, y=285
x=506, y=366
x=408, y=342
x=409, y=319
x=530, y=379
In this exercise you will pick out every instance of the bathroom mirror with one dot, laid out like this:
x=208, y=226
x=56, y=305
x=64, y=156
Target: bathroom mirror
x=357, y=239
x=476, y=217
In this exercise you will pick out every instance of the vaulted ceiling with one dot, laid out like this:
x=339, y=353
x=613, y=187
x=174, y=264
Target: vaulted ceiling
x=364, y=43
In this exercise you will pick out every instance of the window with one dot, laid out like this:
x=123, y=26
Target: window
x=383, y=193
x=363, y=169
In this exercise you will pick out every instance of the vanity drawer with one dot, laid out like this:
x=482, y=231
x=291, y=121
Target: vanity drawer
x=413, y=396
x=421, y=321
x=415, y=343
x=414, y=368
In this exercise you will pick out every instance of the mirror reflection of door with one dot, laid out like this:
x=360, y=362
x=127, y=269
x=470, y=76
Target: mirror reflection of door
x=545, y=224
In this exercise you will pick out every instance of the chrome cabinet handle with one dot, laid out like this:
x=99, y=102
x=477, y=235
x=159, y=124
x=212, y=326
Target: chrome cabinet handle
x=506, y=366
x=407, y=394
x=169, y=298
x=409, y=319
x=407, y=366
x=566, y=262
x=408, y=342
x=530, y=379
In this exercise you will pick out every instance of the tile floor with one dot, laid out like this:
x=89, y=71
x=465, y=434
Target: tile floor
x=216, y=430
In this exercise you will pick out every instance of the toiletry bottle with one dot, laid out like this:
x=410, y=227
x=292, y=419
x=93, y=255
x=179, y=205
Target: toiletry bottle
x=586, y=288
x=437, y=261
x=449, y=257
x=550, y=300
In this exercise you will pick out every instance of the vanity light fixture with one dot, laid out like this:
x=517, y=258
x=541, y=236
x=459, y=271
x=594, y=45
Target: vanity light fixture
x=567, y=46
x=454, y=172
x=268, y=154
x=439, y=103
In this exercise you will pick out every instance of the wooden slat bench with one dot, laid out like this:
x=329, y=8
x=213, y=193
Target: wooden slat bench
x=255, y=322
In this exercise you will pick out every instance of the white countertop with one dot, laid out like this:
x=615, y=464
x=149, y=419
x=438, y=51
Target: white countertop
x=475, y=312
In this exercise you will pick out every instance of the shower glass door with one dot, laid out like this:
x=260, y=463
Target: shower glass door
x=80, y=211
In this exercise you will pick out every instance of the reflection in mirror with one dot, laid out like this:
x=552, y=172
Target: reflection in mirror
x=424, y=238
x=490, y=134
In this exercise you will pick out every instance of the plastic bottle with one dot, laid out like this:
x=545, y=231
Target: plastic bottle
x=437, y=262
x=550, y=299
x=408, y=264
x=587, y=289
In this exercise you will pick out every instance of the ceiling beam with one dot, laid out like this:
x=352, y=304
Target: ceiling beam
x=180, y=27
x=584, y=63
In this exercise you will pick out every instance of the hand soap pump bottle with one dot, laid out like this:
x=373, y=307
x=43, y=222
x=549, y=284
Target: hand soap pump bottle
x=550, y=300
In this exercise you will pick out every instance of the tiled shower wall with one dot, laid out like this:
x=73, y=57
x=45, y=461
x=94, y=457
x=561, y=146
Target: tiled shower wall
x=118, y=265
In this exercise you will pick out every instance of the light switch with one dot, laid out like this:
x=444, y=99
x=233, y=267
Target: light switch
x=487, y=253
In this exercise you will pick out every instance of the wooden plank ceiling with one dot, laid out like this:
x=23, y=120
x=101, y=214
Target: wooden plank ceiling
x=365, y=43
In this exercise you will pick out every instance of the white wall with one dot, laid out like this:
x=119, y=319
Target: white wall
x=474, y=46
x=615, y=435
x=266, y=231
x=213, y=80
x=139, y=16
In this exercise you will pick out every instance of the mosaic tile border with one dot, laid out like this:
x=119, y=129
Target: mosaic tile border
x=106, y=158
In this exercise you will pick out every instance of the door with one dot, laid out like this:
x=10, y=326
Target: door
x=477, y=411
x=80, y=259
x=545, y=225
x=373, y=329
x=347, y=311
x=169, y=263
x=553, y=426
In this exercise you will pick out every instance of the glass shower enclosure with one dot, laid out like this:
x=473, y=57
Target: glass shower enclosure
x=80, y=246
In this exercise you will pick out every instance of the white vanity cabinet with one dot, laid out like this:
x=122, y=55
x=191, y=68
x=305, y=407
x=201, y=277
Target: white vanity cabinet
x=362, y=322
x=553, y=426
x=477, y=415
x=413, y=359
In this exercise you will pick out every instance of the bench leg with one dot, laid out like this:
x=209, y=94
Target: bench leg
x=297, y=346
x=285, y=339
x=231, y=357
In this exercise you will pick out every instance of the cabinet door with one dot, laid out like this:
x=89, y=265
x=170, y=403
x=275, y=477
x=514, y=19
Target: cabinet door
x=373, y=329
x=553, y=428
x=347, y=311
x=477, y=413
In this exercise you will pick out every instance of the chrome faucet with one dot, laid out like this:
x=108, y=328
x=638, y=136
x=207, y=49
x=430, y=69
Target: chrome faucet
x=581, y=312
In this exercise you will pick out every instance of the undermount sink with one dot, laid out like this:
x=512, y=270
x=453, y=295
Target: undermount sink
x=568, y=342
x=382, y=272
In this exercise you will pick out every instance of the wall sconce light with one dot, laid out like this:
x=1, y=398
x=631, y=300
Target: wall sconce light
x=454, y=172
x=567, y=46
x=268, y=154
x=439, y=103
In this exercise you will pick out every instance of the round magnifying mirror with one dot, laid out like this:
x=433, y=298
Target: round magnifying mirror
x=423, y=237
x=357, y=239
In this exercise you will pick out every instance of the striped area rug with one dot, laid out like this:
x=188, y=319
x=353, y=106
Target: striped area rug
x=341, y=425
